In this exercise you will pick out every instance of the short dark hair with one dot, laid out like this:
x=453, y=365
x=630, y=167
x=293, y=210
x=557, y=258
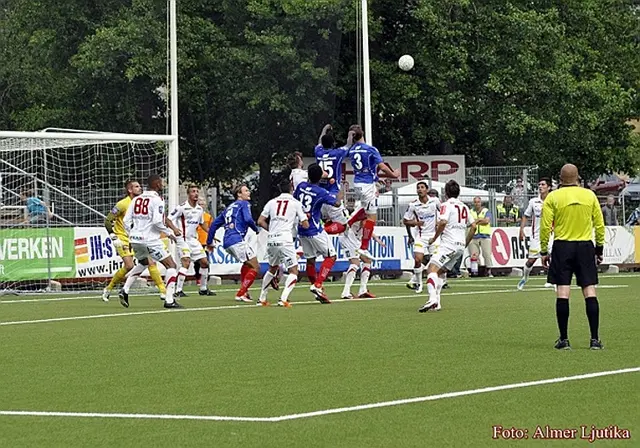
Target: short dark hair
x=358, y=133
x=433, y=192
x=236, y=190
x=423, y=183
x=152, y=179
x=292, y=161
x=452, y=189
x=315, y=173
x=327, y=141
x=546, y=180
x=128, y=183
x=285, y=185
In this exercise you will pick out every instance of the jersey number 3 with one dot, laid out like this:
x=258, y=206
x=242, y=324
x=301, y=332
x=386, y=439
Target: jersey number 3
x=141, y=206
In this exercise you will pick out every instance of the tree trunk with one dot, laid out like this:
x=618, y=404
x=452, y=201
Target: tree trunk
x=264, y=193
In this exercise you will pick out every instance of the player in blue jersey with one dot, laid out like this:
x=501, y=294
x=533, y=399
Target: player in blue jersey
x=366, y=161
x=314, y=240
x=236, y=220
x=330, y=160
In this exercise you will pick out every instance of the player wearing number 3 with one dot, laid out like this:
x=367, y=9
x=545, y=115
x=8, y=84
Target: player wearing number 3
x=452, y=226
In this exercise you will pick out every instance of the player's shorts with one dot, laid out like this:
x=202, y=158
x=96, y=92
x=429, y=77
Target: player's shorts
x=447, y=257
x=154, y=249
x=421, y=246
x=335, y=214
x=367, y=194
x=124, y=251
x=350, y=245
x=317, y=245
x=190, y=248
x=534, y=249
x=281, y=252
x=573, y=257
x=241, y=251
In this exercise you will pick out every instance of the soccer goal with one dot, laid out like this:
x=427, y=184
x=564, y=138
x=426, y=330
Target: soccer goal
x=56, y=189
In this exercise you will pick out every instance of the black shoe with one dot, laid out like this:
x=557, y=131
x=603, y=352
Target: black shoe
x=206, y=292
x=446, y=286
x=174, y=305
x=124, y=299
x=426, y=307
x=180, y=294
x=595, y=344
x=562, y=344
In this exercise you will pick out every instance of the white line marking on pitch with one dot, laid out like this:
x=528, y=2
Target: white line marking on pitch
x=362, y=407
x=235, y=307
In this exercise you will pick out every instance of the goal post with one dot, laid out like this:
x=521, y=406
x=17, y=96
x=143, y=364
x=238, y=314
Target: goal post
x=56, y=188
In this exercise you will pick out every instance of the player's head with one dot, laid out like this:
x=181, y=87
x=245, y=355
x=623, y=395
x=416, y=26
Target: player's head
x=544, y=186
x=285, y=186
x=295, y=160
x=155, y=182
x=422, y=189
x=315, y=173
x=452, y=189
x=242, y=193
x=193, y=193
x=477, y=202
x=327, y=141
x=433, y=193
x=132, y=188
x=358, y=133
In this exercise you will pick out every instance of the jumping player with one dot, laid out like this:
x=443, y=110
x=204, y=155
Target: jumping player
x=298, y=173
x=350, y=242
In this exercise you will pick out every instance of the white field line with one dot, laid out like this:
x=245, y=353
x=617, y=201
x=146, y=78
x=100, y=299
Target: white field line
x=235, y=307
x=342, y=410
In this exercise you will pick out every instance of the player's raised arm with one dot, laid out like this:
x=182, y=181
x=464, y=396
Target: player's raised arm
x=386, y=169
x=325, y=130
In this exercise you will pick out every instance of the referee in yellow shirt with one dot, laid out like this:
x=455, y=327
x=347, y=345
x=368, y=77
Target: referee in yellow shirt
x=573, y=213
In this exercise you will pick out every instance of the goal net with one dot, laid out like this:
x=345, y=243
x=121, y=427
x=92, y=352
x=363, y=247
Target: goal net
x=55, y=192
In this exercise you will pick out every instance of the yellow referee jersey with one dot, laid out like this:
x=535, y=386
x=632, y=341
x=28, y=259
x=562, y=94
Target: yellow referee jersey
x=118, y=223
x=573, y=213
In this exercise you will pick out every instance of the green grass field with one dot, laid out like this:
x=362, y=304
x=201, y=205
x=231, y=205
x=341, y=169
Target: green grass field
x=224, y=359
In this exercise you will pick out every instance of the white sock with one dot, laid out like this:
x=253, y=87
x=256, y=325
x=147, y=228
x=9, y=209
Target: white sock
x=182, y=276
x=204, y=279
x=440, y=284
x=432, y=286
x=268, y=276
x=132, y=275
x=417, y=276
x=526, y=271
x=289, y=284
x=350, y=278
x=364, y=277
x=170, y=283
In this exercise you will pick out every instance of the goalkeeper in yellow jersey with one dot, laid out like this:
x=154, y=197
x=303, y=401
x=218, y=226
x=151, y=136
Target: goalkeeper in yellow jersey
x=114, y=223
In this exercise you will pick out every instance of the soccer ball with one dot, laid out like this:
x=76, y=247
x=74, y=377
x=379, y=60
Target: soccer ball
x=405, y=63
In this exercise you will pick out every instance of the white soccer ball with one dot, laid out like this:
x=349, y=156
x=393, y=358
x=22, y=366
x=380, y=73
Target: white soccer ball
x=405, y=63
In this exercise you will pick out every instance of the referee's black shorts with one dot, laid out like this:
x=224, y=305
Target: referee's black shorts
x=573, y=257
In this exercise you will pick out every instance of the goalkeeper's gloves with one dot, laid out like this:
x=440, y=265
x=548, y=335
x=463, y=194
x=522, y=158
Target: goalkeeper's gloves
x=116, y=242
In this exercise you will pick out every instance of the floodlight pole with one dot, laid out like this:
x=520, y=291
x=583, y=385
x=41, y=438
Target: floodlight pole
x=365, y=68
x=174, y=160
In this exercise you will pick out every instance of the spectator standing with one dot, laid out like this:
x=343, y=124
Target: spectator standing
x=508, y=213
x=609, y=212
x=481, y=242
x=519, y=193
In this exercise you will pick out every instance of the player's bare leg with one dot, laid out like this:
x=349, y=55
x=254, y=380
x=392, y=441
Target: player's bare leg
x=248, y=273
x=203, y=263
x=118, y=277
x=182, y=276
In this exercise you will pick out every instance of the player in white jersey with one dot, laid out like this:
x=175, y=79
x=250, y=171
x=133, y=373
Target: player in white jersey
x=421, y=215
x=145, y=222
x=534, y=213
x=350, y=241
x=298, y=173
x=187, y=217
x=280, y=217
x=455, y=228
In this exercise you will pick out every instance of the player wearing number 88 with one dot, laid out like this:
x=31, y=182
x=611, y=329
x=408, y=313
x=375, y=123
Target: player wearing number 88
x=279, y=217
x=453, y=222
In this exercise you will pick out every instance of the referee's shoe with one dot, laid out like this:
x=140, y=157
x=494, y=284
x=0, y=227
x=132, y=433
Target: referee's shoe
x=573, y=213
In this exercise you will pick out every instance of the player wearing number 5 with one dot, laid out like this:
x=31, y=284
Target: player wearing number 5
x=366, y=161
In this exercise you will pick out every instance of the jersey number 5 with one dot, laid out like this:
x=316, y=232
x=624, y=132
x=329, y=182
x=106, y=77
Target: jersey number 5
x=141, y=206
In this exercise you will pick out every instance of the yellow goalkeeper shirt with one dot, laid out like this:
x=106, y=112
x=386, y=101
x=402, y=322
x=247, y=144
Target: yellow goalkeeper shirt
x=118, y=223
x=573, y=213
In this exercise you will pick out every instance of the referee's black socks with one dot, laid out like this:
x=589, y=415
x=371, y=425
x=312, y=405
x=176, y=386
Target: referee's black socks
x=562, y=314
x=593, y=314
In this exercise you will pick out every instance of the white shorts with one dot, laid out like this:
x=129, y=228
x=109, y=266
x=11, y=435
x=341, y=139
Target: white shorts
x=421, y=246
x=318, y=245
x=447, y=257
x=367, y=194
x=241, y=251
x=191, y=248
x=534, y=249
x=335, y=214
x=350, y=245
x=282, y=252
x=153, y=249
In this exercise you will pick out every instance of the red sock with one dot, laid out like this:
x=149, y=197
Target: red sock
x=359, y=215
x=311, y=271
x=243, y=272
x=325, y=268
x=249, y=277
x=335, y=228
x=367, y=232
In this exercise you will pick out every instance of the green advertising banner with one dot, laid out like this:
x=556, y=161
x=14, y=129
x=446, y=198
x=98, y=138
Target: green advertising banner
x=31, y=254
